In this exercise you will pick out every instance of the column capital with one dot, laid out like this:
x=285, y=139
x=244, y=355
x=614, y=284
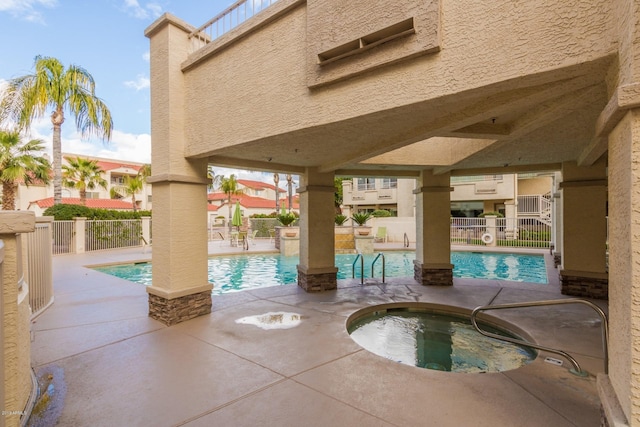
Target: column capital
x=305, y=188
x=431, y=189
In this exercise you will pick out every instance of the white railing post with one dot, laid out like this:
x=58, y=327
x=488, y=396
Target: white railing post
x=80, y=227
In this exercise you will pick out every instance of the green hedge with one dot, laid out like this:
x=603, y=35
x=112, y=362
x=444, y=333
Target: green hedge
x=64, y=212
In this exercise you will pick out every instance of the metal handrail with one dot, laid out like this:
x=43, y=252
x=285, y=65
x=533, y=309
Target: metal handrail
x=383, y=265
x=406, y=240
x=574, y=362
x=353, y=268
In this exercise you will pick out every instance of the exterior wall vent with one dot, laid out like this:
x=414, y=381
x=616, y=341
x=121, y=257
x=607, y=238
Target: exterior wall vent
x=392, y=32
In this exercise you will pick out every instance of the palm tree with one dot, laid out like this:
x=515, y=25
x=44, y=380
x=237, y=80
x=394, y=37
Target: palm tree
x=19, y=162
x=216, y=180
x=72, y=89
x=145, y=172
x=229, y=186
x=131, y=185
x=83, y=174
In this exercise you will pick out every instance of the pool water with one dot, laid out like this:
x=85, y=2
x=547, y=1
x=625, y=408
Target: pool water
x=439, y=341
x=241, y=272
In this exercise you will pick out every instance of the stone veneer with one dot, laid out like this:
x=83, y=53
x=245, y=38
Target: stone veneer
x=176, y=310
x=317, y=282
x=587, y=287
x=432, y=276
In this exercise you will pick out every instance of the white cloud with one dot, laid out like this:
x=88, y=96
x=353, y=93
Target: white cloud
x=146, y=11
x=27, y=10
x=141, y=82
x=146, y=56
x=123, y=146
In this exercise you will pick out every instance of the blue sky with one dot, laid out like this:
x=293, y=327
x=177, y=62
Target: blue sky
x=106, y=37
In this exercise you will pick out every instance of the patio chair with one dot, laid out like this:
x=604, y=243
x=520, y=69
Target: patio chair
x=252, y=235
x=381, y=235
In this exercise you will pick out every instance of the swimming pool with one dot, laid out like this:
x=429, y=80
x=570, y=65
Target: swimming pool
x=241, y=272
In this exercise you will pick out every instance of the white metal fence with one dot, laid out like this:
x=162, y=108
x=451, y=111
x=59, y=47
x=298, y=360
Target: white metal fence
x=508, y=232
x=80, y=235
x=64, y=237
x=112, y=234
x=39, y=266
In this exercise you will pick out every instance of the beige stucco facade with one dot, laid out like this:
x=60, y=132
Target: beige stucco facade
x=414, y=89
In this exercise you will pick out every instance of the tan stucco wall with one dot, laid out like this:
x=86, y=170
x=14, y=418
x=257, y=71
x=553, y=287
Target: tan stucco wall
x=514, y=41
x=624, y=264
x=16, y=346
x=534, y=186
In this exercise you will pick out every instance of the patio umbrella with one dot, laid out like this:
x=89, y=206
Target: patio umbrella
x=237, y=217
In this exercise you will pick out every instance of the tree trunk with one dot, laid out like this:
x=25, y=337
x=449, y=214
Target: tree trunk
x=9, y=196
x=83, y=196
x=133, y=201
x=57, y=118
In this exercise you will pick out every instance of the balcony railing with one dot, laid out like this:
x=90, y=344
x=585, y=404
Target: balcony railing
x=227, y=20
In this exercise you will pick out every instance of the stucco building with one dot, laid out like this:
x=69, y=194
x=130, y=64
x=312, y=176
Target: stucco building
x=414, y=89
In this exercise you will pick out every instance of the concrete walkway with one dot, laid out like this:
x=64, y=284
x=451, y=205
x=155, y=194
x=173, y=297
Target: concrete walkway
x=111, y=365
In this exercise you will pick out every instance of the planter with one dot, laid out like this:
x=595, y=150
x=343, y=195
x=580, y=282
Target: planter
x=362, y=230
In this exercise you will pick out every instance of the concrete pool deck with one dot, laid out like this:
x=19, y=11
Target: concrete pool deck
x=113, y=365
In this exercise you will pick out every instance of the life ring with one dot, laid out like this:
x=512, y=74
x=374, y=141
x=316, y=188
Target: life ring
x=487, y=238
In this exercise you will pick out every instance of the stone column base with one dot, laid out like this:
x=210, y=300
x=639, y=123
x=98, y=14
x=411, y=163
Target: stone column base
x=433, y=276
x=584, y=286
x=176, y=310
x=318, y=281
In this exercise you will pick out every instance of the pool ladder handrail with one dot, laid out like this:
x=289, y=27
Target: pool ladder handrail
x=574, y=362
x=353, y=268
x=406, y=240
x=383, y=266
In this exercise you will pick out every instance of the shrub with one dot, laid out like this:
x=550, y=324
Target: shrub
x=381, y=213
x=361, y=218
x=65, y=212
x=286, y=219
x=340, y=219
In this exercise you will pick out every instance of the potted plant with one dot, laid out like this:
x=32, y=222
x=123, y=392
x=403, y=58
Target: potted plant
x=340, y=219
x=287, y=219
x=361, y=219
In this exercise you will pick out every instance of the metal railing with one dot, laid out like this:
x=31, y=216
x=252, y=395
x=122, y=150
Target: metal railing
x=353, y=268
x=380, y=255
x=508, y=232
x=111, y=234
x=64, y=237
x=39, y=267
x=534, y=204
x=573, y=361
x=227, y=20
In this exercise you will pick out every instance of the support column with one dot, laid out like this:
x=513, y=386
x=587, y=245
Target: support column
x=432, y=265
x=180, y=289
x=15, y=362
x=584, y=206
x=317, y=270
x=619, y=390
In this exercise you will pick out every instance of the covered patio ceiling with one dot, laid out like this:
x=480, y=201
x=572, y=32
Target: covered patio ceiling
x=530, y=123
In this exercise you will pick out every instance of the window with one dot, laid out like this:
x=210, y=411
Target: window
x=149, y=198
x=388, y=183
x=93, y=195
x=366, y=184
